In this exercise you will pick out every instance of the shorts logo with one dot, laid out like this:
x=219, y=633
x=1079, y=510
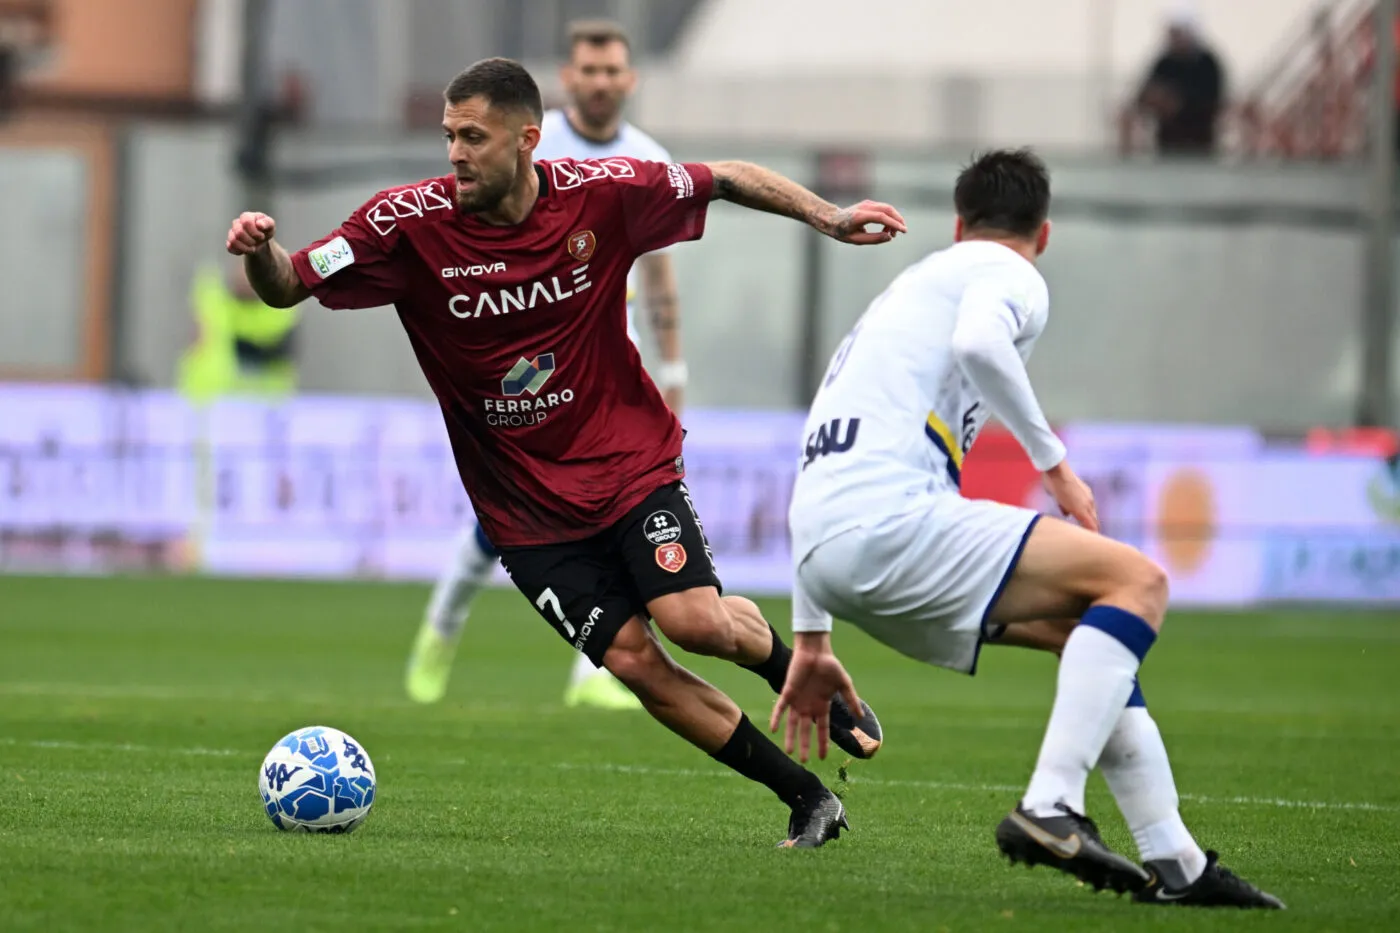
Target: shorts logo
x=662, y=528
x=331, y=257
x=670, y=557
x=528, y=376
x=582, y=244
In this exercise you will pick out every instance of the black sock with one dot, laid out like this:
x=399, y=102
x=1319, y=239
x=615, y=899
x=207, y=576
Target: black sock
x=754, y=755
x=775, y=668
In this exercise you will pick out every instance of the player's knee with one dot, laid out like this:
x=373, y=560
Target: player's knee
x=1150, y=589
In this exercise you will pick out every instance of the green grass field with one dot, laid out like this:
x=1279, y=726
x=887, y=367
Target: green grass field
x=134, y=714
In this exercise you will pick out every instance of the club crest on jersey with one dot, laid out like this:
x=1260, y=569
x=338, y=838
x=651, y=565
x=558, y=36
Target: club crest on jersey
x=670, y=557
x=582, y=244
x=662, y=528
x=528, y=376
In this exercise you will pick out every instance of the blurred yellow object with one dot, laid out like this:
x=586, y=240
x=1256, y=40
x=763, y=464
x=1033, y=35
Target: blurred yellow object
x=244, y=349
x=244, y=346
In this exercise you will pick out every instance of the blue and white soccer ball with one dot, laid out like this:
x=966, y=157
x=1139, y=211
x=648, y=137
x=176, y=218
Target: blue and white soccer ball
x=317, y=780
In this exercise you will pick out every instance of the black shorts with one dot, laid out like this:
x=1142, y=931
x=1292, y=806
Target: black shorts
x=589, y=589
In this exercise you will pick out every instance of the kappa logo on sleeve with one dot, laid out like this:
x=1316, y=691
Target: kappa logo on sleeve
x=331, y=257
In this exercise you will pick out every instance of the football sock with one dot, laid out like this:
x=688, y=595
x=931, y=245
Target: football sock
x=583, y=669
x=753, y=754
x=775, y=668
x=1134, y=762
x=1098, y=670
x=473, y=559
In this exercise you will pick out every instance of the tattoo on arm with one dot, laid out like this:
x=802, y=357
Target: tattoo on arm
x=273, y=277
x=761, y=189
x=663, y=305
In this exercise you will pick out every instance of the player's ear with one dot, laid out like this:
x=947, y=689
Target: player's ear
x=529, y=137
x=566, y=76
x=630, y=82
x=1042, y=239
x=957, y=230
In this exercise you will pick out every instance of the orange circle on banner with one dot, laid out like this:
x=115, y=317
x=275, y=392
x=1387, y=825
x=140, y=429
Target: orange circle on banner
x=1186, y=520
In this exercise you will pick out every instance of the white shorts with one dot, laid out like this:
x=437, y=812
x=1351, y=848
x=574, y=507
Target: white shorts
x=922, y=582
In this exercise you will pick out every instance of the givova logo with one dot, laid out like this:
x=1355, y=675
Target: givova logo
x=528, y=376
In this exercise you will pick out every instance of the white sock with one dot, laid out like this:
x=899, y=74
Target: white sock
x=1135, y=764
x=583, y=669
x=469, y=568
x=1095, y=680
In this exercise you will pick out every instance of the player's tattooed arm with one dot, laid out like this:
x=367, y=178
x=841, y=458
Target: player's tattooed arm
x=761, y=189
x=266, y=263
x=273, y=277
x=662, y=302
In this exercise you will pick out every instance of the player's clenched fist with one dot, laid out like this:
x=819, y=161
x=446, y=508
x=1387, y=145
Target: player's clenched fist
x=250, y=232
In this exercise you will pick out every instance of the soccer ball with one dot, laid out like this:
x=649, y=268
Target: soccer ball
x=317, y=780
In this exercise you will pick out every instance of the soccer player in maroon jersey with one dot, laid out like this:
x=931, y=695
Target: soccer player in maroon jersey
x=509, y=277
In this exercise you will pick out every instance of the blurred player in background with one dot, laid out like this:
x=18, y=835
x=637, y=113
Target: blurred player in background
x=598, y=79
x=510, y=278
x=883, y=538
x=243, y=348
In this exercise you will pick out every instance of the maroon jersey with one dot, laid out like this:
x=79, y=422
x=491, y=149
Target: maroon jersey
x=522, y=333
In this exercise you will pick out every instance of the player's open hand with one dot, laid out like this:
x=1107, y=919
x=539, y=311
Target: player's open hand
x=848, y=224
x=249, y=233
x=814, y=677
x=1072, y=495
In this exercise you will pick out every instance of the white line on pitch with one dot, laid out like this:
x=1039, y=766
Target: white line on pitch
x=1001, y=788
x=194, y=751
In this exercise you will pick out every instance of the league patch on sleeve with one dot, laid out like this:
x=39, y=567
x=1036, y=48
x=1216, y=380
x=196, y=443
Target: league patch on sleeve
x=331, y=257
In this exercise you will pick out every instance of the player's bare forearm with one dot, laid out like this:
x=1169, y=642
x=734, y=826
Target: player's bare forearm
x=762, y=189
x=755, y=187
x=273, y=277
x=662, y=303
x=815, y=642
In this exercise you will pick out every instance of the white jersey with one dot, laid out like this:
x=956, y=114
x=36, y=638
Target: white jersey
x=905, y=394
x=559, y=140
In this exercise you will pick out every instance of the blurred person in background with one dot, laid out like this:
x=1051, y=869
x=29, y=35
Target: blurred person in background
x=598, y=79
x=1183, y=93
x=244, y=347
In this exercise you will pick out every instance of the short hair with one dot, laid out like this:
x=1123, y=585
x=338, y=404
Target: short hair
x=1006, y=190
x=503, y=82
x=597, y=32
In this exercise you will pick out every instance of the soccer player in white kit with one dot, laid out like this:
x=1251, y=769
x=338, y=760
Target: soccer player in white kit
x=598, y=79
x=883, y=538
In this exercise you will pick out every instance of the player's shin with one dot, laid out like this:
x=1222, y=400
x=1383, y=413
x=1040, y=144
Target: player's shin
x=1135, y=764
x=1097, y=674
x=473, y=559
x=774, y=666
x=752, y=754
x=705, y=717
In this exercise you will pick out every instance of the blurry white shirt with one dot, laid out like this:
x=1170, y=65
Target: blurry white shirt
x=909, y=388
x=559, y=140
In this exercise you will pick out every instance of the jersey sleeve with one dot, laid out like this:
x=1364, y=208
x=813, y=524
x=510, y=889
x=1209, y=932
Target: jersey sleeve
x=991, y=316
x=807, y=616
x=653, y=151
x=358, y=264
x=662, y=202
